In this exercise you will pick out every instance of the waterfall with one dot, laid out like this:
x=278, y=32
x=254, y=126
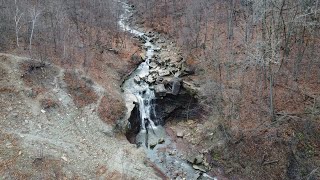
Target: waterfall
x=141, y=93
x=144, y=95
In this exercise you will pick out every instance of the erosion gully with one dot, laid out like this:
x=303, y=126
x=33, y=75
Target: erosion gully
x=152, y=137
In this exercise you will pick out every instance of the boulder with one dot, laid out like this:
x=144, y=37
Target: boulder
x=159, y=80
x=173, y=70
x=173, y=65
x=176, y=85
x=137, y=79
x=199, y=159
x=195, y=159
x=161, y=41
x=153, y=64
x=161, y=141
x=144, y=78
x=143, y=56
x=154, y=70
x=180, y=134
x=150, y=79
x=160, y=90
x=157, y=49
x=172, y=153
x=164, y=72
x=196, y=167
x=115, y=51
x=190, y=87
x=191, y=159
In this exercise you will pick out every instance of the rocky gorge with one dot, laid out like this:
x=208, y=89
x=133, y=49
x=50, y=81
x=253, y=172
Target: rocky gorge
x=149, y=89
x=159, y=89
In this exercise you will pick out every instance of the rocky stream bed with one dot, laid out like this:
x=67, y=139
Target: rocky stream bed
x=153, y=92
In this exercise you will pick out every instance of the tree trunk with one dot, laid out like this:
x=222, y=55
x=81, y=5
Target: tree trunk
x=17, y=18
x=272, y=114
x=33, y=22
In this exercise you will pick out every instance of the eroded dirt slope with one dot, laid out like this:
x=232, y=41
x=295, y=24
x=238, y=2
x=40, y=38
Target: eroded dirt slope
x=50, y=128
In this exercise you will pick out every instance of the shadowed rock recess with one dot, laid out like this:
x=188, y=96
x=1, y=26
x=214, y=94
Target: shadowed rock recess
x=178, y=107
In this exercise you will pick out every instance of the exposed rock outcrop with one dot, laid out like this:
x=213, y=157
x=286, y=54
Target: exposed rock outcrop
x=160, y=90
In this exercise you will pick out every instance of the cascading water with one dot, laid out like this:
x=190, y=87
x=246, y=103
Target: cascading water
x=142, y=92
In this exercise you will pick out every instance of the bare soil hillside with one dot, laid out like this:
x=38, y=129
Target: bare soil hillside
x=50, y=126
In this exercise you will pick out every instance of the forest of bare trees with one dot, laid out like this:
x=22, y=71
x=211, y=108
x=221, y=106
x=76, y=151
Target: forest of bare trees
x=256, y=64
x=276, y=39
x=57, y=29
x=259, y=60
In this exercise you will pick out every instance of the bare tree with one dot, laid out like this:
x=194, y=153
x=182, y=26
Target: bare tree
x=17, y=18
x=34, y=16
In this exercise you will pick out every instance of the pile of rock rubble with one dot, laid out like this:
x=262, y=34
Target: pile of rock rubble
x=166, y=73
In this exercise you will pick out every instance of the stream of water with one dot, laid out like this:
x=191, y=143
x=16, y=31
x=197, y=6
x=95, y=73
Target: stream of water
x=169, y=161
x=142, y=92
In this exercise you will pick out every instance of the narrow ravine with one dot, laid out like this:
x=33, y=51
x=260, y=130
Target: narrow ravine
x=139, y=93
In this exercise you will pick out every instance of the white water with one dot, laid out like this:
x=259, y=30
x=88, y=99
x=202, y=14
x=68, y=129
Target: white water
x=142, y=92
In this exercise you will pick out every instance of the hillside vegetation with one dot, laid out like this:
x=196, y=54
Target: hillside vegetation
x=258, y=65
x=255, y=64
